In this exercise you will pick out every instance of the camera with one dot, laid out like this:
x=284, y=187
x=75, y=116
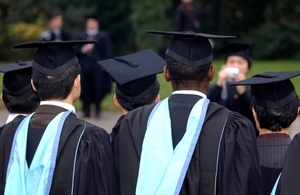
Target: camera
x=232, y=72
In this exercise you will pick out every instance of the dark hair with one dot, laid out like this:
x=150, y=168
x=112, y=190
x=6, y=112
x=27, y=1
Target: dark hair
x=24, y=104
x=276, y=119
x=148, y=99
x=55, y=87
x=182, y=74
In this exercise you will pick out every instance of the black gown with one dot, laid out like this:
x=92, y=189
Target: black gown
x=95, y=81
x=238, y=167
x=289, y=183
x=94, y=172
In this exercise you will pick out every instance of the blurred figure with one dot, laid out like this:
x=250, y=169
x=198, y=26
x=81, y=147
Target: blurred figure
x=238, y=62
x=187, y=17
x=55, y=31
x=275, y=106
x=95, y=82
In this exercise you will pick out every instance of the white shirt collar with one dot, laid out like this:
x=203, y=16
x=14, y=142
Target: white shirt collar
x=190, y=92
x=13, y=116
x=60, y=104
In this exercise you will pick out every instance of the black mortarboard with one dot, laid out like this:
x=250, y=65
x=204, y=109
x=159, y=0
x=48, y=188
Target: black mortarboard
x=53, y=57
x=238, y=49
x=135, y=74
x=16, y=79
x=271, y=89
x=190, y=48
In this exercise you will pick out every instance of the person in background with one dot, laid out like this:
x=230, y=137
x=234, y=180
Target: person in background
x=162, y=148
x=17, y=94
x=54, y=152
x=55, y=31
x=95, y=82
x=274, y=105
x=187, y=17
x=238, y=62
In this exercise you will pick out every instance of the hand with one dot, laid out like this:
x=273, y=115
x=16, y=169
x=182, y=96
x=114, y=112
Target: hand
x=222, y=76
x=87, y=48
x=240, y=88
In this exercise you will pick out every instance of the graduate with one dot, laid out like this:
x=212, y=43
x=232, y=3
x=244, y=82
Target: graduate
x=52, y=151
x=17, y=94
x=274, y=105
x=136, y=81
x=185, y=144
x=238, y=62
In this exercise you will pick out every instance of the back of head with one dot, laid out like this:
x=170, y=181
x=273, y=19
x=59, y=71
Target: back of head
x=55, y=67
x=189, y=57
x=18, y=95
x=135, y=76
x=274, y=99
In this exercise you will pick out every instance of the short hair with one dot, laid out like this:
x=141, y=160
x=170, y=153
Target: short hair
x=182, y=74
x=276, y=119
x=24, y=104
x=148, y=99
x=55, y=87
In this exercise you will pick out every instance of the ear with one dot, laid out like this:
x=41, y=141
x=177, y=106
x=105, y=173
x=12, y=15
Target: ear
x=77, y=84
x=254, y=114
x=211, y=73
x=167, y=74
x=116, y=102
x=157, y=99
x=1, y=96
x=32, y=85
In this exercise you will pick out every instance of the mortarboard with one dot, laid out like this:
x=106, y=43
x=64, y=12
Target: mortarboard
x=239, y=49
x=53, y=57
x=135, y=74
x=271, y=89
x=190, y=48
x=17, y=76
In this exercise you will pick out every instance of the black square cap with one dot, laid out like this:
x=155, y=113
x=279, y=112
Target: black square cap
x=190, y=48
x=271, y=89
x=53, y=57
x=17, y=76
x=135, y=74
x=238, y=49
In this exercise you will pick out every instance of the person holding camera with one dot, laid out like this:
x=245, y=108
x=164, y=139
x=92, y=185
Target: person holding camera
x=238, y=62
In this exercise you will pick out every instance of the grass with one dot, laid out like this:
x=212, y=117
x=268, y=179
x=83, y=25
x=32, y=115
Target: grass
x=259, y=66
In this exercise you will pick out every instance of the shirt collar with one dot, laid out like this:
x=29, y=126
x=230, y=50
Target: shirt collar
x=13, y=116
x=60, y=104
x=190, y=92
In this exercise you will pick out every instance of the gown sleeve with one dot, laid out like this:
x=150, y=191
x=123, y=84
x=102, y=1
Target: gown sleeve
x=290, y=178
x=95, y=168
x=239, y=169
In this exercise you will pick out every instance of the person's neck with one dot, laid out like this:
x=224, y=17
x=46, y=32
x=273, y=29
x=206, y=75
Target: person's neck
x=266, y=131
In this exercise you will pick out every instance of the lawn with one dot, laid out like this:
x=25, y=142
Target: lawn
x=259, y=66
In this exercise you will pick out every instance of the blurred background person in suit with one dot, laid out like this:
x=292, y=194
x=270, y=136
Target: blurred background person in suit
x=95, y=81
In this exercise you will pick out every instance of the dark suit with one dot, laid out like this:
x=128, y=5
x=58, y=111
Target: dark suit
x=95, y=82
x=49, y=35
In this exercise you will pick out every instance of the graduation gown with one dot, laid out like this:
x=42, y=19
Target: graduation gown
x=289, y=183
x=238, y=167
x=94, y=165
x=234, y=101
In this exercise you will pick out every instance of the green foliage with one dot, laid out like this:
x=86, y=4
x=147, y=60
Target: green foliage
x=150, y=15
x=278, y=36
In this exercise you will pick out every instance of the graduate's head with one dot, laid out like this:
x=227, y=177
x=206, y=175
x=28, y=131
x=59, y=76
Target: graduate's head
x=56, y=72
x=238, y=55
x=274, y=99
x=17, y=93
x=189, y=57
x=135, y=76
